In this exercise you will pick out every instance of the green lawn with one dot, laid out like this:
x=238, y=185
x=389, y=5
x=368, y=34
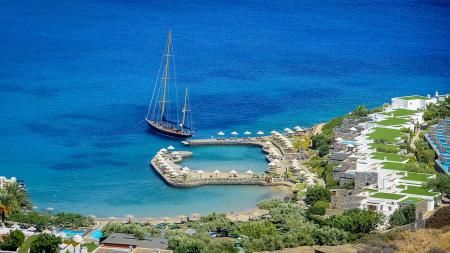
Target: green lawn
x=392, y=122
x=389, y=157
x=414, y=176
x=400, y=112
x=412, y=200
x=26, y=244
x=91, y=246
x=370, y=190
x=385, y=134
x=419, y=191
x=385, y=146
x=394, y=166
x=414, y=97
x=383, y=195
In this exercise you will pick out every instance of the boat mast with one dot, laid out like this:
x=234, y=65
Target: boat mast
x=184, y=108
x=166, y=73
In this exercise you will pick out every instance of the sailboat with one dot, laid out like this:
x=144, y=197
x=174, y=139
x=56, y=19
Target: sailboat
x=163, y=115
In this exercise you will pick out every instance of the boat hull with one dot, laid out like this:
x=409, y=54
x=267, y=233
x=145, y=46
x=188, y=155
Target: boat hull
x=157, y=128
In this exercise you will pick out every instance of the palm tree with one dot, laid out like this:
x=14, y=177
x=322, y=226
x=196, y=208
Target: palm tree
x=13, y=198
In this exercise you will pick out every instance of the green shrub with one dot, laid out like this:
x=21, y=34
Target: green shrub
x=47, y=243
x=13, y=240
x=316, y=193
x=356, y=221
x=319, y=207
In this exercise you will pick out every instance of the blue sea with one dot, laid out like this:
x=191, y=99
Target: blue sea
x=76, y=78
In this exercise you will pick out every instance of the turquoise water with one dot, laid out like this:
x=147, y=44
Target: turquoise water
x=97, y=234
x=226, y=158
x=71, y=232
x=76, y=78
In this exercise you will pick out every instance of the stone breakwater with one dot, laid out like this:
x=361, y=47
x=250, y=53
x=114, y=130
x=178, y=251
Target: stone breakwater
x=165, y=163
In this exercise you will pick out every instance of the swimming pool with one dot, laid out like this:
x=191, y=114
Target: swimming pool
x=349, y=142
x=73, y=232
x=97, y=234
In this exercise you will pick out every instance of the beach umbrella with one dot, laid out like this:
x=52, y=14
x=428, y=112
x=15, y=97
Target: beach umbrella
x=221, y=133
x=298, y=129
x=274, y=132
x=249, y=172
x=185, y=169
x=182, y=217
x=339, y=139
x=32, y=229
x=170, y=147
x=233, y=172
x=260, y=133
x=200, y=172
x=35, y=208
x=353, y=129
x=247, y=133
x=129, y=217
x=234, y=133
x=217, y=172
x=50, y=209
x=77, y=238
x=163, y=150
x=165, y=219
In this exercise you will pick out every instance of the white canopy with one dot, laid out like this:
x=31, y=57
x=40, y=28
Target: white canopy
x=185, y=169
x=77, y=238
x=260, y=133
x=247, y=133
x=273, y=132
x=216, y=171
x=288, y=130
x=221, y=133
x=200, y=171
x=339, y=139
x=298, y=128
x=163, y=150
x=353, y=129
x=234, y=133
x=170, y=147
x=233, y=172
x=249, y=172
x=32, y=229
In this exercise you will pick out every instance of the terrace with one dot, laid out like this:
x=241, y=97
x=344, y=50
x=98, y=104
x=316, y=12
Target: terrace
x=389, y=157
x=400, y=112
x=386, y=134
x=393, y=121
x=385, y=195
x=416, y=190
x=414, y=176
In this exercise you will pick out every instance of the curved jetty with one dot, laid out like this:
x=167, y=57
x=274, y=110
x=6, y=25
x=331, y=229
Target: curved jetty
x=165, y=163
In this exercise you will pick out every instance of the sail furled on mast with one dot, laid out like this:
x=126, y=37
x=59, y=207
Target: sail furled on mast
x=164, y=108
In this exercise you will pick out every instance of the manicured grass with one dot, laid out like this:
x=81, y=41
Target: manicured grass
x=412, y=200
x=91, y=246
x=413, y=97
x=392, y=122
x=384, y=195
x=400, y=112
x=26, y=244
x=385, y=146
x=401, y=186
x=394, y=166
x=370, y=190
x=414, y=176
x=385, y=134
x=419, y=191
x=389, y=157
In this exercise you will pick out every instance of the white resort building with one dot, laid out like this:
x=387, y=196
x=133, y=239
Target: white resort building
x=377, y=161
